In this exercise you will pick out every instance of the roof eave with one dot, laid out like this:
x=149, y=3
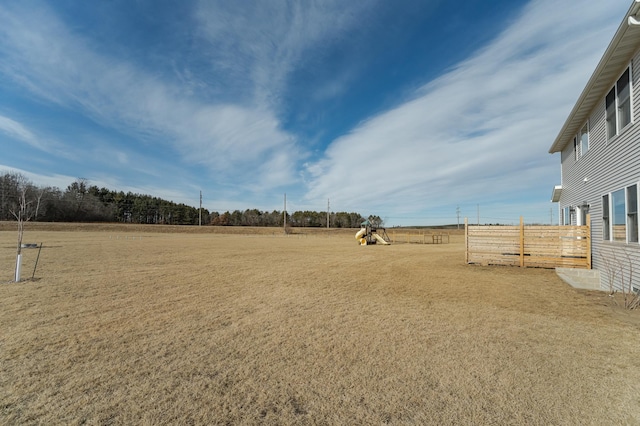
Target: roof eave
x=594, y=90
x=555, y=195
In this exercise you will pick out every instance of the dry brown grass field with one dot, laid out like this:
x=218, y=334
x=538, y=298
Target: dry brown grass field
x=161, y=325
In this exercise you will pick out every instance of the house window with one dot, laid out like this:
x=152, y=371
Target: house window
x=632, y=213
x=624, y=100
x=576, y=149
x=605, y=218
x=566, y=216
x=584, y=212
x=619, y=216
x=611, y=113
x=584, y=139
x=618, y=105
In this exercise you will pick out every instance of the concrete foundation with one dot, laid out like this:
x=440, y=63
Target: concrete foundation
x=586, y=279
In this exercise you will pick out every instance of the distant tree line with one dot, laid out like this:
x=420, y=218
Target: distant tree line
x=82, y=202
x=254, y=217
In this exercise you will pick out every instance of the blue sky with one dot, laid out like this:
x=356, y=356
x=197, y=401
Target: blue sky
x=406, y=109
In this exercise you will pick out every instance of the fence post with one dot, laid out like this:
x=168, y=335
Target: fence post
x=588, y=239
x=466, y=241
x=521, y=241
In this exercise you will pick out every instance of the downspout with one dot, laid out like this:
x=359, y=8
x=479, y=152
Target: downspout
x=562, y=185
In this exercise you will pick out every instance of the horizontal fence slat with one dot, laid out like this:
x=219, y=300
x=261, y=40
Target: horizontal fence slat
x=540, y=246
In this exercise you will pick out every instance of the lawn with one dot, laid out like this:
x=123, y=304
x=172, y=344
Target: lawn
x=151, y=325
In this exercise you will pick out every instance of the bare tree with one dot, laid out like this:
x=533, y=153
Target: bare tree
x=375, y=221
x=23, y=211
x=40, y=192
x=8, y=194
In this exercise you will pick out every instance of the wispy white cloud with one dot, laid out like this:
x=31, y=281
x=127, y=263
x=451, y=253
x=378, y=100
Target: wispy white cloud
x=16, y=130
x=234, y=140
x=52, y=180
x=482, y=130
x=62, y=181
x=261, y=43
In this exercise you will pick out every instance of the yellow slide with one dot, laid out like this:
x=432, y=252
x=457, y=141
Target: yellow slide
x=379, y=239
x=360, y=235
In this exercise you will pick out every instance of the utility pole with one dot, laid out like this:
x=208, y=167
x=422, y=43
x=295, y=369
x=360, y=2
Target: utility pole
x=458, y=214
x=200, y=211
x=327, y=213
x=284, y=214
x=478, y=214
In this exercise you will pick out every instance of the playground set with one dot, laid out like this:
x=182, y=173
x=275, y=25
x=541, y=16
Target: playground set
x=370, y=234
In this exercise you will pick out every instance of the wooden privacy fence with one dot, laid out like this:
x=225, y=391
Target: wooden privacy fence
x=538, y=246
x=419, y=237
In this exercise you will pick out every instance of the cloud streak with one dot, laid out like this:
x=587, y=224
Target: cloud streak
x=42, y=55
x=482, y=130
x=262, y=44
x=18, y=131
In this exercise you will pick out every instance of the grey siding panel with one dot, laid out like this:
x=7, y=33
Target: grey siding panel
x=609, y=166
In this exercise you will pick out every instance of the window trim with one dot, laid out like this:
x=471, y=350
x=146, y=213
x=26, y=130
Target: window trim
x=627, y=100
x=613, y=105
x=579, y=147
x=631, y=215
x=566, y=216
x=611, y=115
x=584, y=131
x=631, y=212
x=619, y=219
x=606, y=217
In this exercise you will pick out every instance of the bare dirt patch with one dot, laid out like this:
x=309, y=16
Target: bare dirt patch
x=129, y=326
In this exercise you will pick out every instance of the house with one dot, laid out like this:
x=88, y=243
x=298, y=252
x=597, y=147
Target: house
x=599, y=145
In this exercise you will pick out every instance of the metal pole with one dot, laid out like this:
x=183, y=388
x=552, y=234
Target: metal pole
x=18, y=267
x=36, y=265
x=200, y=211
x=284, y=214
x=327, y=213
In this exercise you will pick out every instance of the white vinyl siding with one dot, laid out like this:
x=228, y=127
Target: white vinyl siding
x=610, y=166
